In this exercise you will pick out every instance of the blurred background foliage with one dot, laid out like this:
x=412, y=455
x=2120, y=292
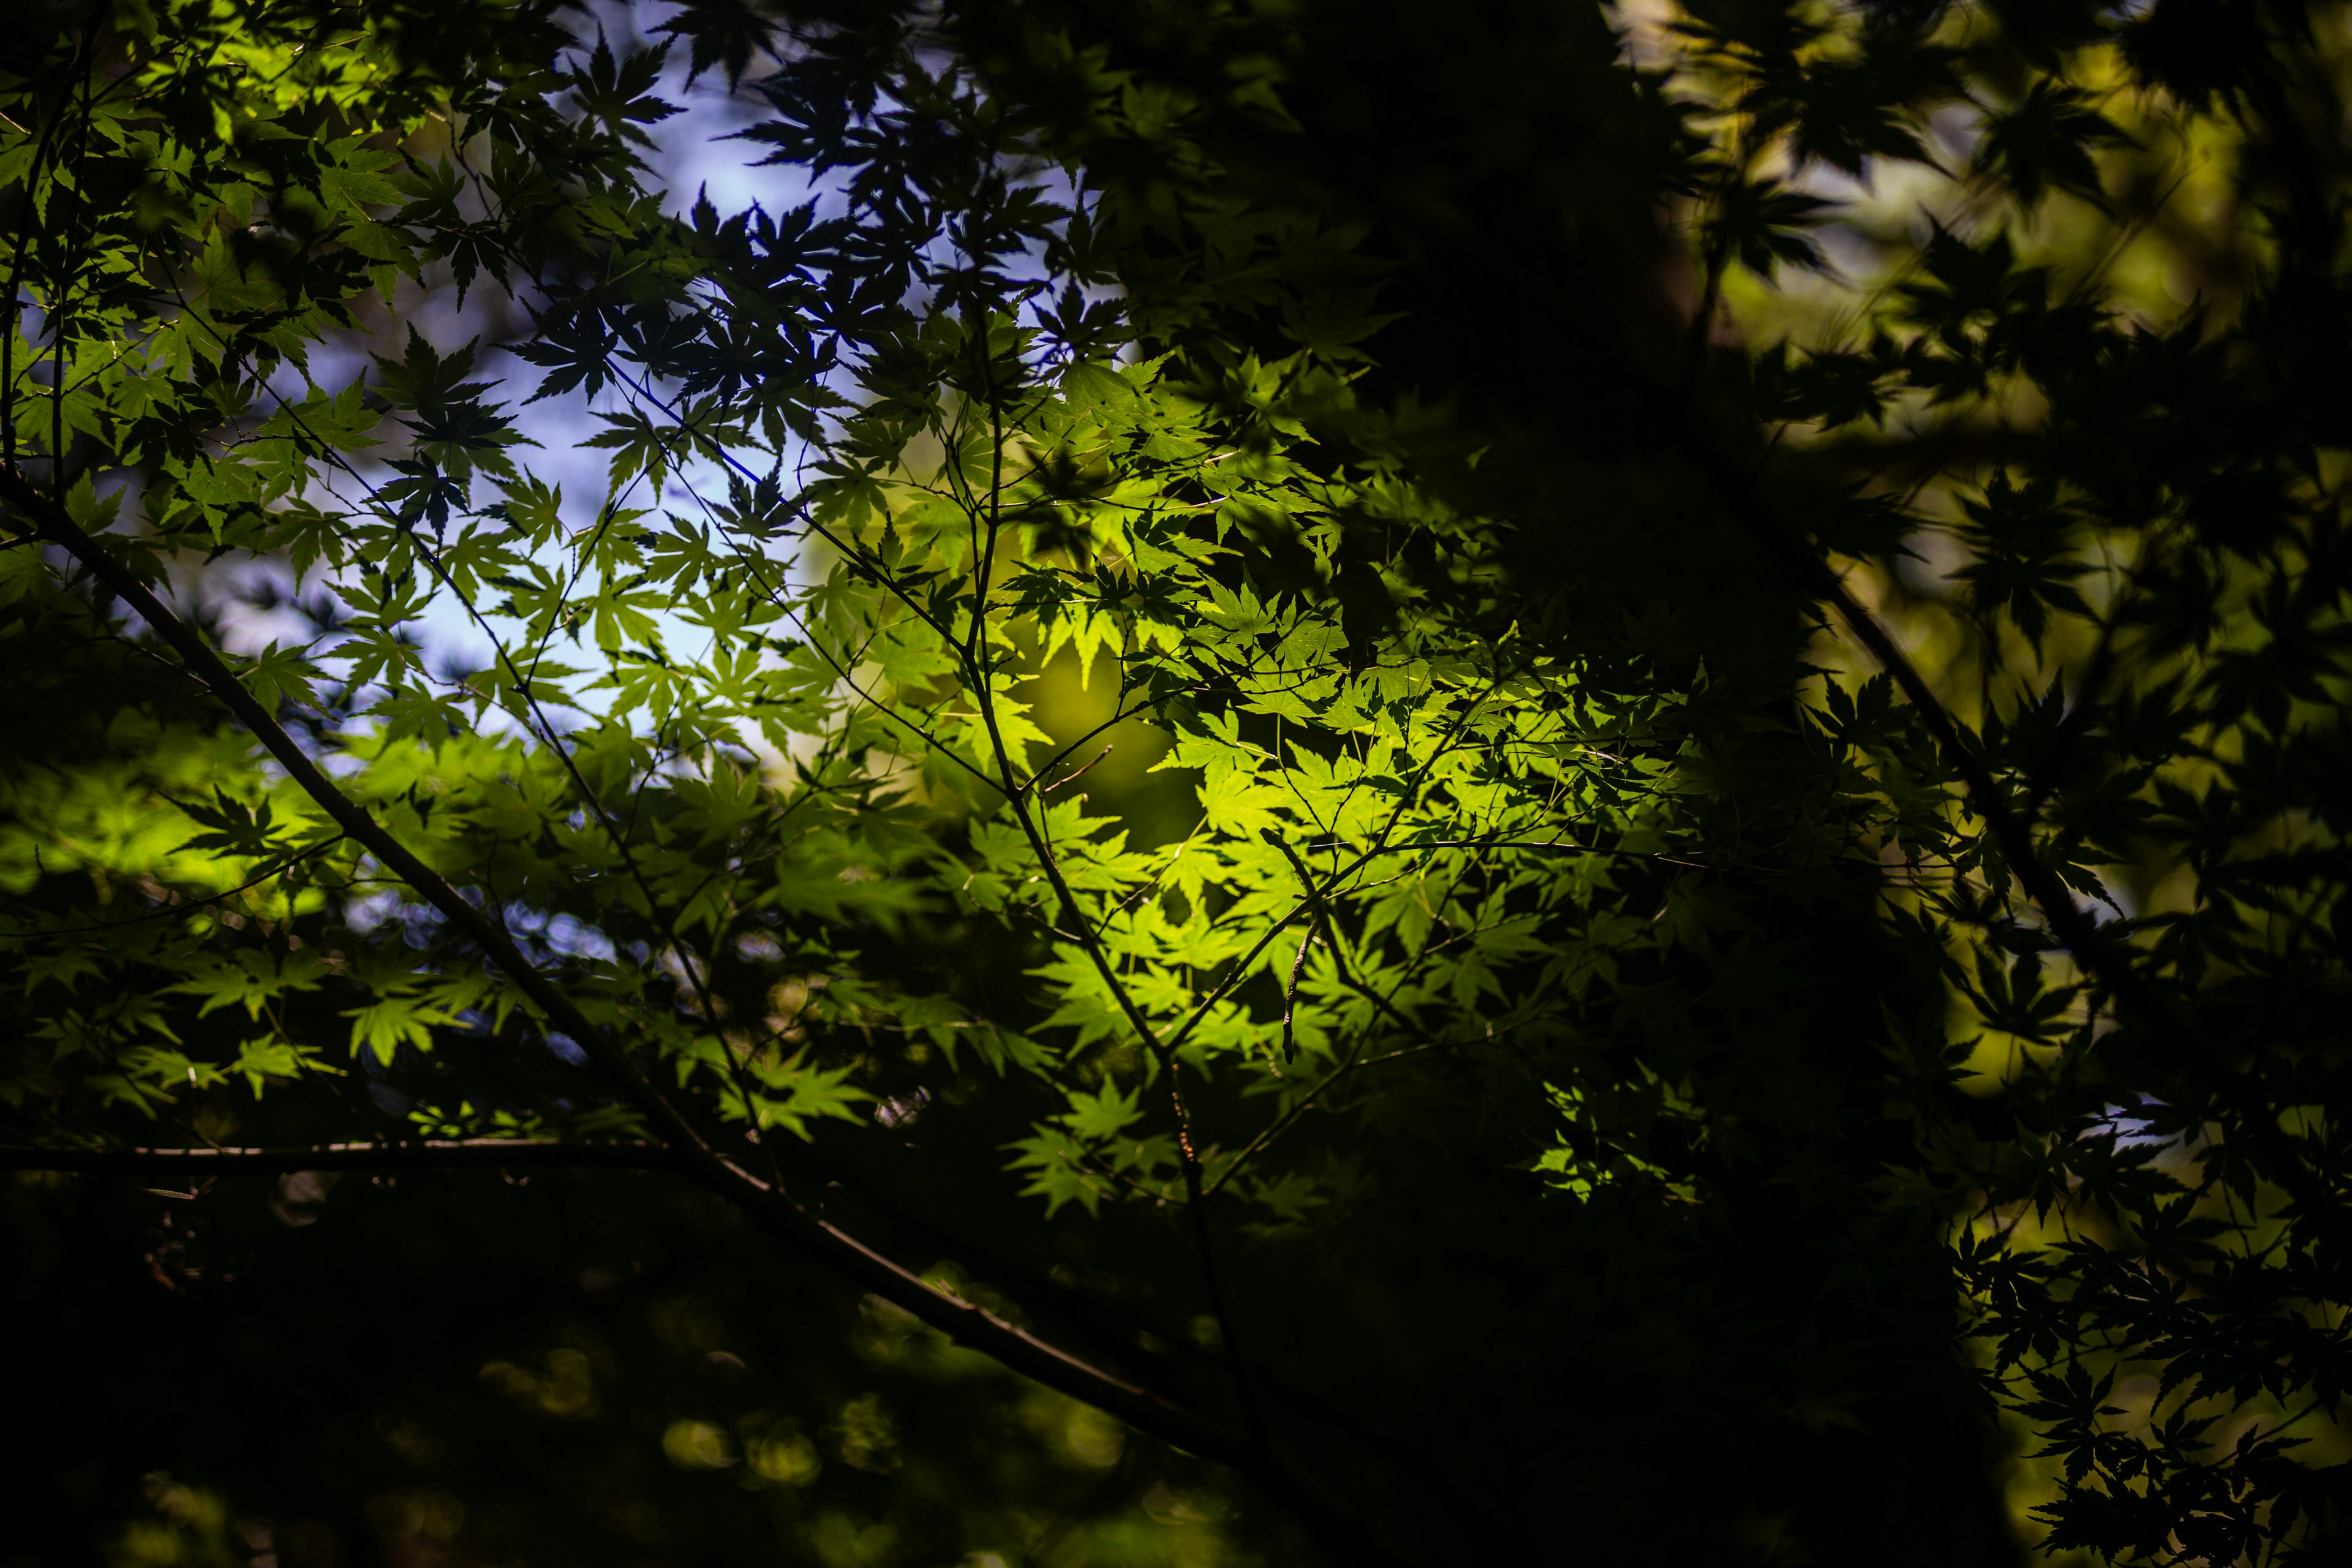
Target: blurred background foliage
x=1794, y=1190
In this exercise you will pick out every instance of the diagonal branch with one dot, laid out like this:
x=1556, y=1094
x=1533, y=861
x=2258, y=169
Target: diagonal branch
x=767, y=1204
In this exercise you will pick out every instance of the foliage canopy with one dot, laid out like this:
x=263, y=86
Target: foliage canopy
x=1733, y=929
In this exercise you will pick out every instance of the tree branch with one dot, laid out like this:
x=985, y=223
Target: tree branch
x=766, y=1204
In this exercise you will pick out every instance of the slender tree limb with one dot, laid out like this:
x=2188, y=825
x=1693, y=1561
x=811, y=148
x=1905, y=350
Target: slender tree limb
x=768, y=1205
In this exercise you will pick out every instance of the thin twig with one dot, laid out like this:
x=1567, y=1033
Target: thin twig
x=1074, y=777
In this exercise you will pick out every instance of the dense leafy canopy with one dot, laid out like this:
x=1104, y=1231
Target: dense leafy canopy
x=1562, y=779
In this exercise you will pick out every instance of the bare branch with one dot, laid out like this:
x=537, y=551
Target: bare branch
x=1070, y=778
